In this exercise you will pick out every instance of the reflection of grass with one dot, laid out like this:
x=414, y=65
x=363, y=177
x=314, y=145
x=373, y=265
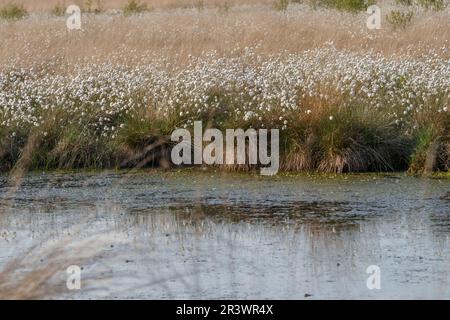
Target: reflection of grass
x=327, y=212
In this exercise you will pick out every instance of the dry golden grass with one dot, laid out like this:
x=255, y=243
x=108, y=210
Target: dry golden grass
x=47, y=5
x=179, y=33
x=40, y=272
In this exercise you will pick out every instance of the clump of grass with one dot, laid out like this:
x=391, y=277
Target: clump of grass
x=90, y=7
x=11, y=145
x=405, y=2
x=345, y=139
x=400, y=19
x=74, y=149
x=12, y=11
x=281, y=5
x=433, y=4
x=432, y=145
x=427, y=4
x=342, y=5
x=200, y=5
x=349, y=5
x=421, y=159
x=134, y=7
x=224, y=8
x=144, y=138
x=58, y=10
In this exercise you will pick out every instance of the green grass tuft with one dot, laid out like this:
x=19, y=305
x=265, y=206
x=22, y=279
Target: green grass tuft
x=400, y=19
x=134, y=7
x=12, y=11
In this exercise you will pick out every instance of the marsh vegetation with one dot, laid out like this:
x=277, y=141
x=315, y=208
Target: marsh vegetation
x=345, y=98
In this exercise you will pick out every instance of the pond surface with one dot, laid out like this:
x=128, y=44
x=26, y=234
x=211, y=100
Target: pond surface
x=213, y=235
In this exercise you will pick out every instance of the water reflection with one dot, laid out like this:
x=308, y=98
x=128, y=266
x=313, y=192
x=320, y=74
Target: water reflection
x=210, y=235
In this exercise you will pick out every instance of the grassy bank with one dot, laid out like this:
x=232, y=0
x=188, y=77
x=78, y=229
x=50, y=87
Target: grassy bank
x=345, y=98
x=338, y=111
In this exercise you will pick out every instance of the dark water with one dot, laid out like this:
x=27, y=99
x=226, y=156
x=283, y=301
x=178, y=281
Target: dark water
x=152, y=234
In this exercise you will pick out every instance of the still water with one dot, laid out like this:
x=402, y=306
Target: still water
x=213, y=235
